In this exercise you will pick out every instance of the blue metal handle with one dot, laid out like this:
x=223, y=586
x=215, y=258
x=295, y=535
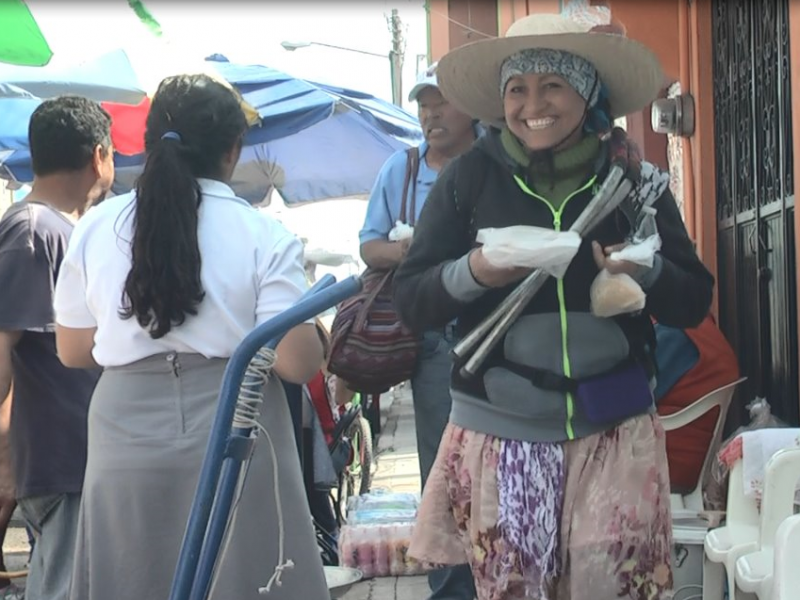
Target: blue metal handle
x=230, y=473
x=321, y=297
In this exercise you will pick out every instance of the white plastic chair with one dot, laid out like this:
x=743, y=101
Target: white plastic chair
x=786, y=574
x=723, y=546
x=754, y=571
x=690, y=506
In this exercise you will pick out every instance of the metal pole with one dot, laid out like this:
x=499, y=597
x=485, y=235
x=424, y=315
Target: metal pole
x=396, y=57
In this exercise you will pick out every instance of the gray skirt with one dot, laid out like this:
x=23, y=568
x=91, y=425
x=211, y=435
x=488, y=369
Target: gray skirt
x=149, y=425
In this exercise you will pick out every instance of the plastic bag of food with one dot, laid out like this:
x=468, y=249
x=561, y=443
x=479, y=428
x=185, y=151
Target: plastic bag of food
x=529, y=247
x=613, y=295
x=645, y=241
x=379, y=550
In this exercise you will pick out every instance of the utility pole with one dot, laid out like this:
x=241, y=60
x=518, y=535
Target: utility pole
x=396, y=57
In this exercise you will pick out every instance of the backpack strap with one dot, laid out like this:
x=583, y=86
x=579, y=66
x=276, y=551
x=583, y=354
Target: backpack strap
x=469, y=182
x=412, y=170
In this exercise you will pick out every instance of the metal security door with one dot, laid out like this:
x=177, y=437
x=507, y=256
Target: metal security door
x=755, y=198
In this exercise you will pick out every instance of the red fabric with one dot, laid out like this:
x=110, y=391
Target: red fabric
x=318, y=390
x=128, y=125
x=717, y=366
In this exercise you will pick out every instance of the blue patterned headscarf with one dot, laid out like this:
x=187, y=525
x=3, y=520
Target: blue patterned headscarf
x=578, y=72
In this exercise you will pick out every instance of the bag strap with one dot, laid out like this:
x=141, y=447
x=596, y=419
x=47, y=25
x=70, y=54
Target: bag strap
x=361, y=317
x=469, y=183
x=412, y=170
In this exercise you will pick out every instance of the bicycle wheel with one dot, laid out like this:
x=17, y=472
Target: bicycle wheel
x=361, y=468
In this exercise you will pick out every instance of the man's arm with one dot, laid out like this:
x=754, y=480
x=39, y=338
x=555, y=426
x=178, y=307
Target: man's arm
x=376, y=249
x=8, y=339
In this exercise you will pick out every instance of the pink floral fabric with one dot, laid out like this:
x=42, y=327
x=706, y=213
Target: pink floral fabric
x=614, y=528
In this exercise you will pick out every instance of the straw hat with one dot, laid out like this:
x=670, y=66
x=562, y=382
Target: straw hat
x=469, y=76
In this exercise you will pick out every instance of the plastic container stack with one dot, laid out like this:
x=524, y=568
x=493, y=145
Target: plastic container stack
x=378, y=534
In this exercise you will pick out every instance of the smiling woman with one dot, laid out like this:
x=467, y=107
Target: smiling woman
x=544, y=111
x=551, y=440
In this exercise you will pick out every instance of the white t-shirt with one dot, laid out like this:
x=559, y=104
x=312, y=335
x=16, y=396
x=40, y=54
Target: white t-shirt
x=252, y=269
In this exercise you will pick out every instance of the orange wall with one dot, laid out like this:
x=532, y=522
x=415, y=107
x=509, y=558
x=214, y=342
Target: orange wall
x=510, y=10
x=655, y=24
x=699, y=155
x=438, y=30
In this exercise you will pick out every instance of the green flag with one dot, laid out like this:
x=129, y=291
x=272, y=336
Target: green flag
x=144, y=16
x=21, y=40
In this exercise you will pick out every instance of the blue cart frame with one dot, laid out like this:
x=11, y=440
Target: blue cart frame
x=229, y=446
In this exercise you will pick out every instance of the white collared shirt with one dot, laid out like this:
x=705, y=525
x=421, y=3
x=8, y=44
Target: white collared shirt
x=252, y=269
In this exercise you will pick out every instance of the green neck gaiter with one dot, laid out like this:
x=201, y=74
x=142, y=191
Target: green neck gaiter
x=565, y=171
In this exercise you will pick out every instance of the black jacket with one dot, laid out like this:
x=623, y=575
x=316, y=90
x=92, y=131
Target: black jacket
x=446, y=230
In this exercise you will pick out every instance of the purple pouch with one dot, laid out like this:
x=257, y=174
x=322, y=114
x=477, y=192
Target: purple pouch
x=616, y=395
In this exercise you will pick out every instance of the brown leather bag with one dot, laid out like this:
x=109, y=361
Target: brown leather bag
x=371, y=349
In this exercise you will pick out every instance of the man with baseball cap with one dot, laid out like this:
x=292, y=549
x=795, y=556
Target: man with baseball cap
x=448, y=133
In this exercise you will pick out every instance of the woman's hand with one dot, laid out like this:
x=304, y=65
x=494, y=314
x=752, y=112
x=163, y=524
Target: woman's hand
x=602, y=257
x=494, y=277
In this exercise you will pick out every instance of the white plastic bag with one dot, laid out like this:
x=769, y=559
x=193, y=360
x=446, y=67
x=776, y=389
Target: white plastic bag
x=613, y=295
x=530, y=247
x=401, y=231
x=643, y=253
x=645, y=242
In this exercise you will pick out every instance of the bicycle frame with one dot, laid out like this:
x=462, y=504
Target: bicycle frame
x=229, y=447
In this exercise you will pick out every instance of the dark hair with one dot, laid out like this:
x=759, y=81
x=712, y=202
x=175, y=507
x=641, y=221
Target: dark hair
x=64, y=132
x=194, y=121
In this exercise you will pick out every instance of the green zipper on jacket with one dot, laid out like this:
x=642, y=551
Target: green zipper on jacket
x=562, y=301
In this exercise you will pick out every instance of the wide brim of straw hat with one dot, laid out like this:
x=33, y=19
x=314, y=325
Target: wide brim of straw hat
x=469, y=76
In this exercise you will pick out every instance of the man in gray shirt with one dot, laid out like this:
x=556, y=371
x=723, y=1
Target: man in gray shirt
x=73, y=165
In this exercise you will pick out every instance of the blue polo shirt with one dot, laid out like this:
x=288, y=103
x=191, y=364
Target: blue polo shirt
x=385, y=200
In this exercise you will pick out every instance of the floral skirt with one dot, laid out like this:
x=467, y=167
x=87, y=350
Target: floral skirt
x=613, y=538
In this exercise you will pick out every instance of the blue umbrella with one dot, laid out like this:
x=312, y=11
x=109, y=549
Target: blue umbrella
x=314, y=142
x=106, y=78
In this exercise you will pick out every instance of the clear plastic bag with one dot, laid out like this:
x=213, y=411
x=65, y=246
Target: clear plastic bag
x=379, y=550
x=383, y=500
x=382, y=507
x=644, y=243
x=715, y=491
x=613, y=295
x=619, y=294
x=529, y=247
